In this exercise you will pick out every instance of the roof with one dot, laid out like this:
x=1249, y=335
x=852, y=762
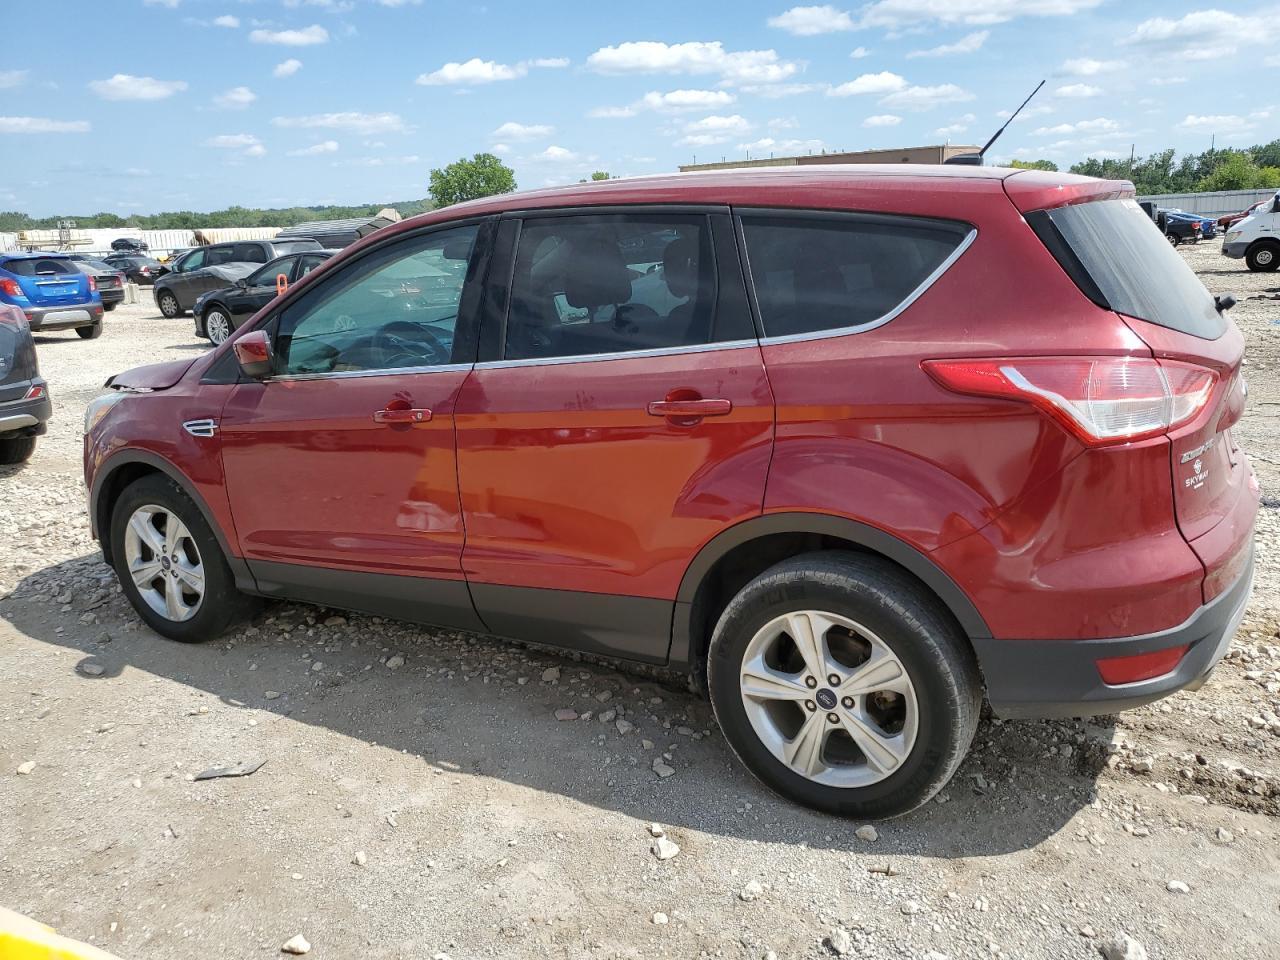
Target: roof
x=34, y=255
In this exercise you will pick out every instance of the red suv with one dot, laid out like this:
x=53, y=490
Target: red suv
x=854, y=446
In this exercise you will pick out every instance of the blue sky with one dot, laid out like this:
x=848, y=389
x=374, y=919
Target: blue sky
x=149, y=105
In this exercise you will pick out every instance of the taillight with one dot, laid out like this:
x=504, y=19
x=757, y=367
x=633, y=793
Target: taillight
x=120, y=279
x=10, y=287
x=34, y=392
x=146, y=271
x=93, y=285
x=1100, y=400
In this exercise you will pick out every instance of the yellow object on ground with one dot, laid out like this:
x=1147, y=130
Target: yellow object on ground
x=23, y=939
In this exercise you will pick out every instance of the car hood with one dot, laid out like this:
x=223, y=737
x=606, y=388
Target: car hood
x=154, y=376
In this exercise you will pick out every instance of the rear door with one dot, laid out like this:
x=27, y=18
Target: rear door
x=50, y=281
x=620, y=418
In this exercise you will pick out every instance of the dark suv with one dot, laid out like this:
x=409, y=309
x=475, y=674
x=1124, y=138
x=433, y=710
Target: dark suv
x=853, y=446
x=208, y=268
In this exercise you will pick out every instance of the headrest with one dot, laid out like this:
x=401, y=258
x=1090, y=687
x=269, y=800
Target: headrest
x=595, y=272
x=680, y=266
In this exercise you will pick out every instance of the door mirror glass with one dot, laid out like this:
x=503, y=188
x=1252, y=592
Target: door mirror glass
x=253, y=353
x=243, y=283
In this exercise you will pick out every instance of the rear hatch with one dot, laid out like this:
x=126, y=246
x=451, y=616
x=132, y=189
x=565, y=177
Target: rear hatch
x=1120, y=261
x=50, y=281
x=17, y=354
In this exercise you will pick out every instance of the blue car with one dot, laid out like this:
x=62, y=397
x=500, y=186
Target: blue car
x=51, y=292
x=1208, y=226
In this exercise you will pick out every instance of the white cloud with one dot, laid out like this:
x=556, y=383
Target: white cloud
x=287, y=68
x=306, y=37
x=926, y=98
x=783, y=123
x=362, y=123
x=701, y=140
x=1077, y=91
x=122, y=86
x=379, y=161
x=969, y=43
x=501, y=149
x=399, y=3
x=553, y=63
x=473, y=71
x=257, y=150
x=171, y=4
x=1216, y=123
x=326, y=146
x=857, y=53
x=237, y=98
x=1087, y=67
x=959, y=125
x=770, y=145
x=226, y=20
x=811, y=21
x=898, y=14
x=776, y=91
x=883, y=82
x=694, y=57
x=1098, y=125
x=674, y=101
x=1202, y=34
x=557, y=153
x=12, y=78
x=42, y=125
x=1039, y=110
x=232, y=141
x=1171, y=81
x=520, y=131
x=713, y=129
x=882, y=120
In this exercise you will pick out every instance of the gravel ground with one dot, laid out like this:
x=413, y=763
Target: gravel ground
x=459, y=817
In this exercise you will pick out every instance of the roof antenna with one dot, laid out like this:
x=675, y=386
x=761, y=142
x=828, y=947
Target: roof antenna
x=975, y=159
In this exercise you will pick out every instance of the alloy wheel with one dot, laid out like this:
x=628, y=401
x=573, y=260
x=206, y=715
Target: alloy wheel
x=829, y=698
x=217, y=326
x=164, y=563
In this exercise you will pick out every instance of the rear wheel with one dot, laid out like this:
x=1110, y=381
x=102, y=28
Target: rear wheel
x=217, y=324
x=1173, y=238
x=843, y=685
x=1263, y=257
x=170, y=564
x=18, y=450
x=168, y=304
x=110, y=306
x=92, y=332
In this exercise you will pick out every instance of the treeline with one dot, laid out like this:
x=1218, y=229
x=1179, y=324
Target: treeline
x=1251, y=168
x=12, y=221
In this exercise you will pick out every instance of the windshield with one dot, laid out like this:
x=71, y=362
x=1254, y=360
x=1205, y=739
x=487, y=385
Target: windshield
x=1134, y=269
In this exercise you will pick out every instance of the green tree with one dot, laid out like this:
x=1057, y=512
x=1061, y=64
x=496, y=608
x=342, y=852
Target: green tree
x=482, y=176
x=1235, y=172
x=601, y=175
x=1034, y=165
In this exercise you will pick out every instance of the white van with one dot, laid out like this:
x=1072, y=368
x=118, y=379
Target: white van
x=1256, y=237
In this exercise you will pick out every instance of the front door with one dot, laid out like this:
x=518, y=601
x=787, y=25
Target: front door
x=260, y=289
x=627, y=421
x=340, y=467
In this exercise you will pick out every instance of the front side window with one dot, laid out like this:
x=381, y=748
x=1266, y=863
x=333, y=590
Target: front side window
x=587, y=285
x=813, y=274
x=393, y=309
x=266, y=277
x=192, y=261
x=308, y=263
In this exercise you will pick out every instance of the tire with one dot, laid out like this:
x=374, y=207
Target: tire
x=1174, y=239
x=91, y=332
x=18, y=450
x=217, y=324
x=168, y=303
x=194, y=617
x=109, y=306
x=926, y=729
x=1262, y=257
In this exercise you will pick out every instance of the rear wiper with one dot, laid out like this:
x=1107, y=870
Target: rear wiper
x=1224, y=302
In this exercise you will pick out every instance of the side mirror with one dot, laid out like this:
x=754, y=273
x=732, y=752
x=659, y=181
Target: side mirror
x=1275, y=204
x=254, y=354
x=243, y=283
x=1224, y=302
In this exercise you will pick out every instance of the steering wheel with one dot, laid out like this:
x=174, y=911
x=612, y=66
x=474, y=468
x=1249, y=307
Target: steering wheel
x=408, y=344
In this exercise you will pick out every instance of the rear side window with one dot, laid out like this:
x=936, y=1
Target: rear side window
x=294, y=246
x=1121, y=261
x=53, y=266
x=815, y=273
x=251, y=253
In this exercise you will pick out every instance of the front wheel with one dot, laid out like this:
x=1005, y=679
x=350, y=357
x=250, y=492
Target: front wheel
x=1262, y=258
x=170, y=564
x=168, y=304
x=843, y=685
x=91, y=332
x=217, y=325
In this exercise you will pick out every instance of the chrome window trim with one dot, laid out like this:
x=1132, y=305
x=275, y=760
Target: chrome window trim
x=380, y=372
x=617, y=355
x=911, y=298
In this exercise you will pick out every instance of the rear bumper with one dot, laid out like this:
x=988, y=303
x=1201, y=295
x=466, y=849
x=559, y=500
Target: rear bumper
x=63, y=318
x=25, y=418
x=1060, y=678
x=112, y=294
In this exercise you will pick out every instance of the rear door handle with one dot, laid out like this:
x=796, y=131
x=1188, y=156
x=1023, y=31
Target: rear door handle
x=690, y=408
x=402, y=415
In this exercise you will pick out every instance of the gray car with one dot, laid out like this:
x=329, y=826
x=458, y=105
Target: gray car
x=219, y=265
x=24, y=396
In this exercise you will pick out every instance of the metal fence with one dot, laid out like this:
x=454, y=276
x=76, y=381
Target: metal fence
x=1214, y=203
x=99, y=239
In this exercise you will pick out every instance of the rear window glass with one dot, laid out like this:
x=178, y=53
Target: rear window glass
x=41, y=267
x=813, y=273
x=1120, y=259
x=293, y=246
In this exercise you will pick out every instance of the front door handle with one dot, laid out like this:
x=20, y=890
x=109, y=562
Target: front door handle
x=402, y=415
x=691, y=409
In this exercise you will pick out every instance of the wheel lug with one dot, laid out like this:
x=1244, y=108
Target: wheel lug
x=833, y=680
x=832, y=718
x=810, y=682
x=847, y=703
x=810, y=706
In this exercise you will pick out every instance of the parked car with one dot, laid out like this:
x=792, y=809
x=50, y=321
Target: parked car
x=51, y=292
x=1229, y=220
x=209, y=268
x=940, y=432
x=137, y=268
x=1256, y=238
x=219, y=313
x=25, y=407
x=108, y=279
x=1178, y=227
x=129, y=245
